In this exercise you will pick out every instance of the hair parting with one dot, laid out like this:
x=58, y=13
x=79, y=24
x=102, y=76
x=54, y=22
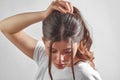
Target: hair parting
x=58, y=26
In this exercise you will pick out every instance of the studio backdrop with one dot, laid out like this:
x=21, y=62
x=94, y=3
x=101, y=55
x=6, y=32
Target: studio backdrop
x=104, y=21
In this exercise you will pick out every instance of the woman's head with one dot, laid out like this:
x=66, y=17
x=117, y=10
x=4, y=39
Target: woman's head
x=62, y=34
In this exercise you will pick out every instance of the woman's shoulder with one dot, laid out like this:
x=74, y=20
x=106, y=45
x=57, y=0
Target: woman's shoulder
x=40, y=44
x=39, y=52
x=40, y=47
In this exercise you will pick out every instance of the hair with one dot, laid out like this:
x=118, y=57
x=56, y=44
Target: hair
x=71, y=28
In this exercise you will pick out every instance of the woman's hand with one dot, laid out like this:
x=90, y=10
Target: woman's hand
x=12, y=26
x=60, y=5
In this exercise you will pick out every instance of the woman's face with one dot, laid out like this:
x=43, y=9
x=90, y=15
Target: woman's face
x=61, y=53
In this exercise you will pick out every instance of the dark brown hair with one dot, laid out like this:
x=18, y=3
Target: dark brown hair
x=71, y=28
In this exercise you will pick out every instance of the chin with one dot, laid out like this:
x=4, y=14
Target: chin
x=60, y=67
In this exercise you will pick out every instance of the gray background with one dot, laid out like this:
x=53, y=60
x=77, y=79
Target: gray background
x=102, y=15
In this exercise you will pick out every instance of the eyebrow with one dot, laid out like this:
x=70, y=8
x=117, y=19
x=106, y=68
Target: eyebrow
x=64, y=49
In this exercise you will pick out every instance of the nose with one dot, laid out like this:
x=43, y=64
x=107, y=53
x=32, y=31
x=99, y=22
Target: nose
x=60, y=58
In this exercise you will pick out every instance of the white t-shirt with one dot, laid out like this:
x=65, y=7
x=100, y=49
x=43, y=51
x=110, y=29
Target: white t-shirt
x=83, y=71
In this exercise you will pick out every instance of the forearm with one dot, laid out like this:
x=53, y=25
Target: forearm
x=18, y=22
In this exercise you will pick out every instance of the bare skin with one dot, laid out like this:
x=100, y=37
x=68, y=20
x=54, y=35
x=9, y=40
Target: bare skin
x=12, y=27
x=61, y=53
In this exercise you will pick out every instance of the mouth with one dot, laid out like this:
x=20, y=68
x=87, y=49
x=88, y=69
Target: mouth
x=60, y=66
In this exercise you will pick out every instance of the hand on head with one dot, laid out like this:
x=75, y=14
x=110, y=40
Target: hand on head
x=60, y=5
x=64, y=6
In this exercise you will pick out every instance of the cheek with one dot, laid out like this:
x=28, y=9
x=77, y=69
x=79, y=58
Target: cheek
x=67, y=57
x=54, y=57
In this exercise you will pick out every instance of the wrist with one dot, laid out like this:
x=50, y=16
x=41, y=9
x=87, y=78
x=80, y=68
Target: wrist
x=45, y=14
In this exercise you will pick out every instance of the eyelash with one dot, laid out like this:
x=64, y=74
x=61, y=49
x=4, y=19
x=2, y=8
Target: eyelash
x=53, y=51
x=69, y=52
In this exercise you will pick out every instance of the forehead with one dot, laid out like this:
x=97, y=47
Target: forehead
x=61, y=44
x=58, y=43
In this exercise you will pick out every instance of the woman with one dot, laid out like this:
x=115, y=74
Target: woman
x=65, y=52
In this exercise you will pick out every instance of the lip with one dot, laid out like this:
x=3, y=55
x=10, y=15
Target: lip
x=60, y=66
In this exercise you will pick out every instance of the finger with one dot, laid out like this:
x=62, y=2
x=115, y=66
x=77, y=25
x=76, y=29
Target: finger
x=68, y=7
x=65, y=5
x=71, y=7
x=59, y=8
x=62, y=10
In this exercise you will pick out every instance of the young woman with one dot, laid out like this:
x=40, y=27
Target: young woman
x=65, y=52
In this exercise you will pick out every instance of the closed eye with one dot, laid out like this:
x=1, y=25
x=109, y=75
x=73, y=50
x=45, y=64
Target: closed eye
x=54, y=51
x=68, y=52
